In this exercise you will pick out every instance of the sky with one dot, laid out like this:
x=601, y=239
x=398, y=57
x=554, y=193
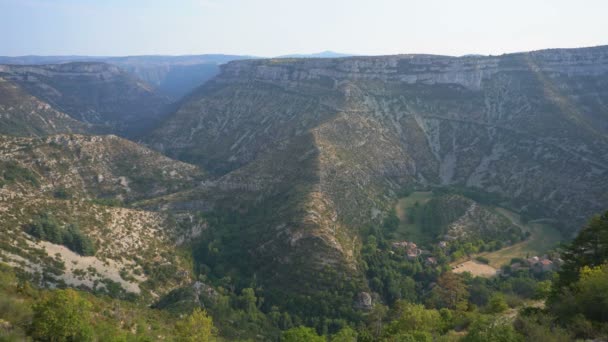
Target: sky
x=276, y=27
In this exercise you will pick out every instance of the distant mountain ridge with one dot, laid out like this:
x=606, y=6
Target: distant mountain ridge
x=322, y=54
x=173, y=76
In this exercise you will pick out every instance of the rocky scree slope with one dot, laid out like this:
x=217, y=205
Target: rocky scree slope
x=94, y=93
x=63, y=182
x=329, y=141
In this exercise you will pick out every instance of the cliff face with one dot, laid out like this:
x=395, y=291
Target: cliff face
x=172, y=76
x=94, y=93
x=426, y=69
x=331, y=140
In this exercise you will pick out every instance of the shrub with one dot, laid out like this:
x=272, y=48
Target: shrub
x=198, y=326
x=483, y=260
x=11, y=172
x=62, y=316
x=46, y=227
x=497, y=303
x=301, y=334
x=62, y=193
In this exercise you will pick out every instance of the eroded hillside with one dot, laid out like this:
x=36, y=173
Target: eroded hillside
x=23, y=114
x=64, y=218
x=327, y=143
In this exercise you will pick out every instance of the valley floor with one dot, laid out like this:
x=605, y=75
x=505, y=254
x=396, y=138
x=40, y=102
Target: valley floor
x=542, y=239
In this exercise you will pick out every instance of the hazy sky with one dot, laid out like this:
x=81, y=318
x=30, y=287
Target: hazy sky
x=275, y=27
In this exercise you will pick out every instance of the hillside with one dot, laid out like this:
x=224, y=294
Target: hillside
x=94, y=93
x=327, y=143
x=454, y=217
x=23, y=114
x=65, y=218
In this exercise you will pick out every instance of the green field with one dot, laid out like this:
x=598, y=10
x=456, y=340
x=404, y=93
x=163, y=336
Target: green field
x=411, y=231
x=542, y=239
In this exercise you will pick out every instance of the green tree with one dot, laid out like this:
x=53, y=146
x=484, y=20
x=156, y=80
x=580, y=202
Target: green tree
x=301, y=334
x=248, y=300
x=580, y=295
x=591, y=293
x=543, y=289
x=414, y=323
x=537, y=325
x=451, y=292
x=75, y=240
x=484, y=330
x=346, y=334
x=589, y=248
x=497, y=303
x=62, y=316
x=197, y=327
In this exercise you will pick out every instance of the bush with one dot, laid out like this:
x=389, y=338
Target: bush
x=75, y=240
x=46, y=227
x=198, y=326
x=301, y=334
x=345, y=334
x=62, y=316
x=497, y=303
x=516, y=260
x=485, y=330
x=483, y=260
x=62, y=193
x=11, y=172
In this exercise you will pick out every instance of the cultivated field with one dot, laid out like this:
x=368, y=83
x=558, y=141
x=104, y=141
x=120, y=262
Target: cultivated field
x=411, y=231
x=542, y=239
x=475, y=268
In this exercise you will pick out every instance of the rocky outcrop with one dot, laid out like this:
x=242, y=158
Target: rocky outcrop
x=363, y=301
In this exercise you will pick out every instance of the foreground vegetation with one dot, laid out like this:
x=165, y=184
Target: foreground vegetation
x=414, y=301
x=72, y=315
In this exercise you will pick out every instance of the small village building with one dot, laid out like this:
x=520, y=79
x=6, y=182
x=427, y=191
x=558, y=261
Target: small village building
x=431, y=261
